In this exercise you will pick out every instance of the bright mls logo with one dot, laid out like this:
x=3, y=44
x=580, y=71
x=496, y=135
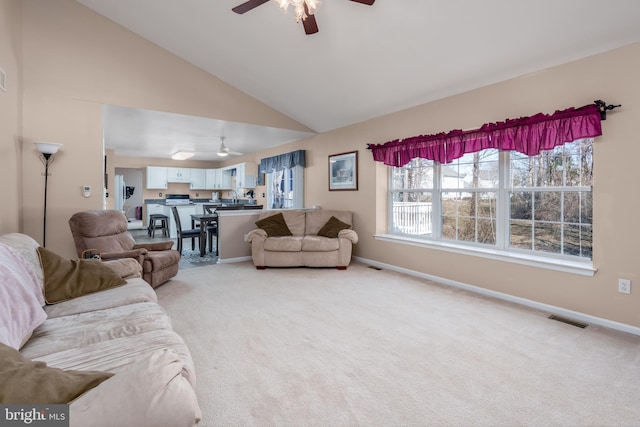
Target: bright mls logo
x=34, y=415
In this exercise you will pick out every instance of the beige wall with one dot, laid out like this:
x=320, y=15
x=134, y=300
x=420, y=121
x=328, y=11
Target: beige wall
x=10, y=115
x=610, y=76
x=74, y=61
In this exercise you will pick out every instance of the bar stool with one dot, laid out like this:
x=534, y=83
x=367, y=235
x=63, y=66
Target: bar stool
x=158, y=222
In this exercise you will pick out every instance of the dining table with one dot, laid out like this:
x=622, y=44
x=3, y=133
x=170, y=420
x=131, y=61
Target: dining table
x=204, y=220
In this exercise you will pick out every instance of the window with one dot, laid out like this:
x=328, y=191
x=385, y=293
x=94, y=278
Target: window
x=501, y=200
x=285, y=188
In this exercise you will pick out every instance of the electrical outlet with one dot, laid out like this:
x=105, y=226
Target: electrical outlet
x=159, y=194
x=624, y=286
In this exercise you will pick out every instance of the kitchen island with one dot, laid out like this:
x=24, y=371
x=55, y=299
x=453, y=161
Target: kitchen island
x=232, y=226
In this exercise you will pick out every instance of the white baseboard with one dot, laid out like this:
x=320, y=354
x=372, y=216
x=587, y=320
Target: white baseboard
x=232, y=260
x=575, y=315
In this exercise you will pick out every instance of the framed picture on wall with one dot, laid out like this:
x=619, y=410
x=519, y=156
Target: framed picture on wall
x=343, y=171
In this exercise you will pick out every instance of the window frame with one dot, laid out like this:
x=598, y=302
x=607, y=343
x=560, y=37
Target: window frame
x=502, y=250
x=295, y=180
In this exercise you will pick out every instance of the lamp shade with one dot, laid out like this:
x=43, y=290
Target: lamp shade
x=47, y=147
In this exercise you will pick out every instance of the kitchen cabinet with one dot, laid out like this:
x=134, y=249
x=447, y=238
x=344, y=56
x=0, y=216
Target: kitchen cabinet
x=249, y=181
x=225, y=179
x=218, y=179
x=245, y=173
x=198, y=180
x=178, y=175
x=210, y=178
x=213, y=178
x=156, y=178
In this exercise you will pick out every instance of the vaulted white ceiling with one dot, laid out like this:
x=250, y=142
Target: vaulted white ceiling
x=368, y=61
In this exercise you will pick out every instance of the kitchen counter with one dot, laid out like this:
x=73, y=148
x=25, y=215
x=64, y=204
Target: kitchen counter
x=159, y=206
x=193, y=202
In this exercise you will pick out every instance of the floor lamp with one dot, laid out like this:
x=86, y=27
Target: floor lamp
x=47, y=150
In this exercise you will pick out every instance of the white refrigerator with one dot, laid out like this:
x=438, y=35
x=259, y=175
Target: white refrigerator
x=120, y=192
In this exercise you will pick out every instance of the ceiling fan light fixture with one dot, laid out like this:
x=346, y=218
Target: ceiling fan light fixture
x=182, y=155
x=223, y=151
x=301, y=8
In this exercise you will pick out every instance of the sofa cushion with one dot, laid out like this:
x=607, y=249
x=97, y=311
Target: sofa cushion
x=295, y=219
x=106, y=230
x=80, y=330
x=159, y=260
x=333, y=227
x=319, y=244
x=134, y=291
x=159, y=379
x=26, y=381
x=27, y=248
x=21, y=298
x=116, y=354
x=283, y=244
x=126, y=268
x=65, y=279
x=317, y=218
x=274, y=225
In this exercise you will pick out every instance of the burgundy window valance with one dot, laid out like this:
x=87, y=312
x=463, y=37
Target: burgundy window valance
x=527, y=135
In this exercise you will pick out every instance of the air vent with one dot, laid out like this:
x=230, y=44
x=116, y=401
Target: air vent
x=374, y=268
x=568, y=321
x=3, y=80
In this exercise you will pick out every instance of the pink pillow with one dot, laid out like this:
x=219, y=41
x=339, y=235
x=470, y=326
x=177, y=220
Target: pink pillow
x=21, y=298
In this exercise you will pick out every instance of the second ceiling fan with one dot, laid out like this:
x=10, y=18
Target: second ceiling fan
x=307, y=17
x=224, y=151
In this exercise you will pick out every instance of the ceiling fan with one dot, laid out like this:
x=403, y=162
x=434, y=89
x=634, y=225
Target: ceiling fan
x=308, y=18
x=224, y=151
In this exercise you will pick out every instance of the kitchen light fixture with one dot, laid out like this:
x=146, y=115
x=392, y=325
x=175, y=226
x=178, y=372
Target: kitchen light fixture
x=182, y=155
x=47, y=150
x=301, y=8
x=223, y=151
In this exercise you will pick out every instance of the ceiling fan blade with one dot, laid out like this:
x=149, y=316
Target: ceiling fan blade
x=310, y=24
x=247, y=6
x=367, y=2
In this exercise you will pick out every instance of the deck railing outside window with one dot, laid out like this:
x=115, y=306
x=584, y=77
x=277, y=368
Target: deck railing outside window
x=412, y=217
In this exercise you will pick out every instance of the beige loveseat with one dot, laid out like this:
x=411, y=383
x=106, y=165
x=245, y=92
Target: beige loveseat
x=304, y=247
x=121, y=331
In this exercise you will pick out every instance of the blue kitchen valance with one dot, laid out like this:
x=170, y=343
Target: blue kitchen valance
x=282, y=161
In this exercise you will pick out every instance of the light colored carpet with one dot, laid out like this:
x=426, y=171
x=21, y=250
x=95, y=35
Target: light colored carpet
x=322, y=347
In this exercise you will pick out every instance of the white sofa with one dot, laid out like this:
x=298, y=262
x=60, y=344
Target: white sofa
x=304, y=248
x=121, y=330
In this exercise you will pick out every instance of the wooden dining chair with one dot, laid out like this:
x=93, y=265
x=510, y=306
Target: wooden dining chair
x=212, y=229
x=192, y=233
x=210, y=208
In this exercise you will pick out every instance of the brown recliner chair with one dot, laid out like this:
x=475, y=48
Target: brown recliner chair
x=106, y=231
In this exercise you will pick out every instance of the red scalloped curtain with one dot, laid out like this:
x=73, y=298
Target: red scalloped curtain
x=527, y=135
